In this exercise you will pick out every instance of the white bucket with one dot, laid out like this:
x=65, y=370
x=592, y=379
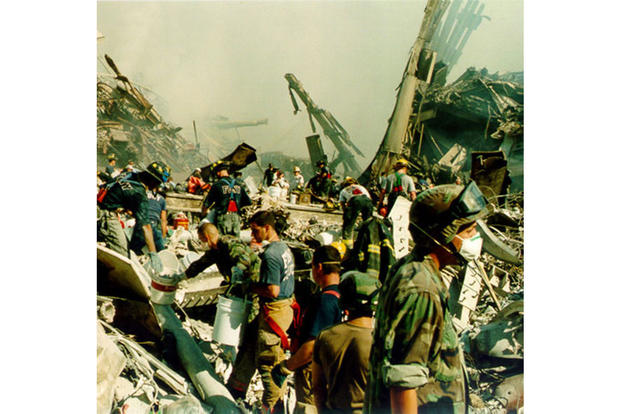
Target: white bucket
x=293, y=198
x=231, y=315
x=273, y=191
x=162, y=291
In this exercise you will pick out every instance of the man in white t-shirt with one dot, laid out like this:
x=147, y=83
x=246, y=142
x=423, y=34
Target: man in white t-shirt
x=354, y=200
x=397, y=184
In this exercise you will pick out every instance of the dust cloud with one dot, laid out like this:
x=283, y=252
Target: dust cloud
x=208, y=59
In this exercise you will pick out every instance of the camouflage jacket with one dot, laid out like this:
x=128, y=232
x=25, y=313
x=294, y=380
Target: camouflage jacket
x=414, y=342
x=230, y=252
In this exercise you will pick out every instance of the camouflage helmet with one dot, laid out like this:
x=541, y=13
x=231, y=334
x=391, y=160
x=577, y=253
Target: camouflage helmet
x=438, y=213
x=359, y=293
x=159, y=170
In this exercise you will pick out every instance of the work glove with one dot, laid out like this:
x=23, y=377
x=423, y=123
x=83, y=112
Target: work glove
x=155, y=262
x=280, y=373
x=237, y=275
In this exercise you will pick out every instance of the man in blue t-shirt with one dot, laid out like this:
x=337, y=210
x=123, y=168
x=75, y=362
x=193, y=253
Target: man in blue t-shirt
x=322, y=313
x=265, y=339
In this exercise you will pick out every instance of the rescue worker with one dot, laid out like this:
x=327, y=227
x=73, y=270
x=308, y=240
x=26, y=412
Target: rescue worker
x=111, y=169
x=355, y=200
x=159, y=223
x=269, y=175
x=129, y=194
x=265, y=339
x=235, y=260
x=323, y=312
x=397, y=184
x=416, y=362
x=281, y=182
x=321, y=183
x=341, y=354
x=226, y=197
x=196, y=185
x=298, y=179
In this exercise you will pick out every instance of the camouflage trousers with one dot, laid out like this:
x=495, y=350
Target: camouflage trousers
x=109, y=230
x=261, y=349
x=304, y=402
x=228, y=223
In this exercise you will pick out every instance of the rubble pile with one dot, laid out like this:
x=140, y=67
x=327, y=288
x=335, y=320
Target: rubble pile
x=129, y=126
x=493, y=341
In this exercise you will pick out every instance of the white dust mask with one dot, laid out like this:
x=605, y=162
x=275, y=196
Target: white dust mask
x=471, y=248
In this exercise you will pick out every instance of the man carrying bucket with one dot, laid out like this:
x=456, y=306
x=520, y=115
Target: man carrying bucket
x=265, y=339
x=235, y=259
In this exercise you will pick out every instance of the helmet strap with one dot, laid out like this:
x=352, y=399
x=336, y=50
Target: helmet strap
x=432, y=238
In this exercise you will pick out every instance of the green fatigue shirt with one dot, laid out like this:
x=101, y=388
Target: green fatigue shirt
x=414, y=343
x=230, y=252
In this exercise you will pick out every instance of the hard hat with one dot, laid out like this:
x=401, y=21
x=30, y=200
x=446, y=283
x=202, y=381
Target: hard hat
x=438, y=213
x=340, y=246
x=359, y=293
x=111, y=156
x=348, y=181
x=296, y=169
x=159, y=170
x=197, y=170
x=401, y=162
x=222, y=165
x=320, y=163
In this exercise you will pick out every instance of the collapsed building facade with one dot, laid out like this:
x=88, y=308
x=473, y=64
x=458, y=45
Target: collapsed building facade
x=439, y=128
x=129, y=127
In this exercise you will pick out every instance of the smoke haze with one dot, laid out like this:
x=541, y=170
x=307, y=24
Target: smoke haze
x=207, y=59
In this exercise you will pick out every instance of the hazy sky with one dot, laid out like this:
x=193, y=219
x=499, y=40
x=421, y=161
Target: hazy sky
x=229, y=58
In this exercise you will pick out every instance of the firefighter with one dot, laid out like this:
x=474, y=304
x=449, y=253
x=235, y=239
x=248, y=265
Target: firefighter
x=129, y=194
x=226, y=197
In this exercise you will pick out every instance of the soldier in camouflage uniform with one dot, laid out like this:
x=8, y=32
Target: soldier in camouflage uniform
x=416, y=361
x=235, y=260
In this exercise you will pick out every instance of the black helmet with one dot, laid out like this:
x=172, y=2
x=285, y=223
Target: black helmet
x=222, y=165
x=437, y=214
x=159, y=170
x=359, y=293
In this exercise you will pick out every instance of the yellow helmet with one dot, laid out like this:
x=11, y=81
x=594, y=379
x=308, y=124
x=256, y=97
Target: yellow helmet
x=401, y=162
